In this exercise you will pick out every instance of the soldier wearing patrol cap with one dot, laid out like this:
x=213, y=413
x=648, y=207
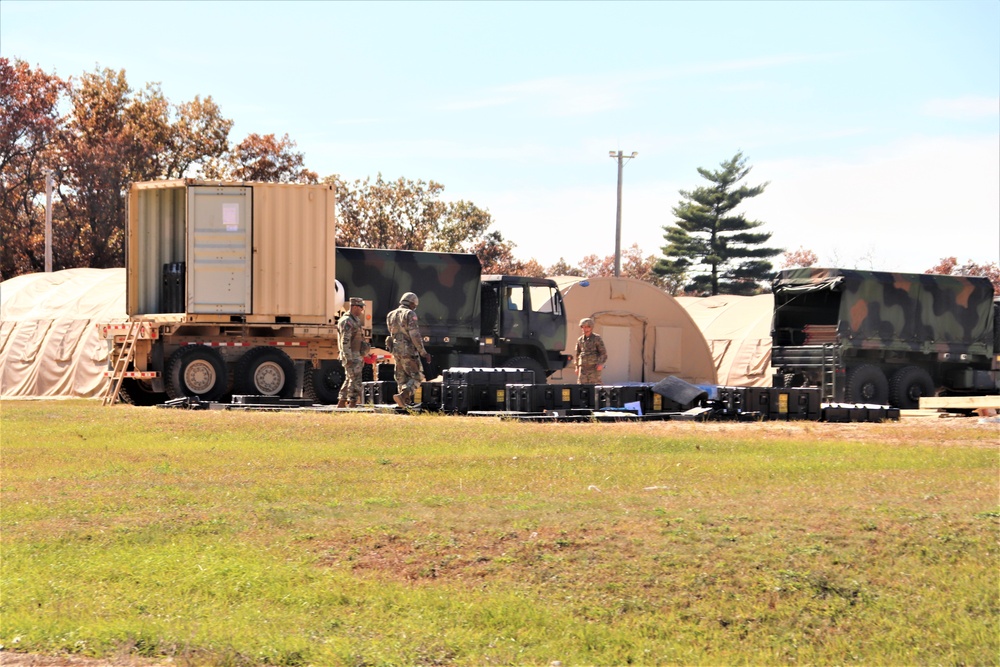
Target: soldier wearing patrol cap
x=407, y=346
x=591, y=354
x=353, y=348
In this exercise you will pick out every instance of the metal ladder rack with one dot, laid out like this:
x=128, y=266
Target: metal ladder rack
x=828, y=372
x=121, y=357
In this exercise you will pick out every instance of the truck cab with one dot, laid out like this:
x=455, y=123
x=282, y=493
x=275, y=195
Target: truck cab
x=526, y=320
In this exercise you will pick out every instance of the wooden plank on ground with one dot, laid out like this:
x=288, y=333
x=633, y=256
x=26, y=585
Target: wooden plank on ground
x=960, y=402
x=922, y=414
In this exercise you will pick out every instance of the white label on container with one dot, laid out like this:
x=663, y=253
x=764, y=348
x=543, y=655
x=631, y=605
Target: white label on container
x=231, y=217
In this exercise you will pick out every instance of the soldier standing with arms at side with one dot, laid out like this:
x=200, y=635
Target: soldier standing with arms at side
x=353, y=347
x=407, y=346
x=591, y=354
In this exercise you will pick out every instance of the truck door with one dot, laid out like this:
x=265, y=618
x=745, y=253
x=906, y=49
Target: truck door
x=514, y=312
x=219, y=249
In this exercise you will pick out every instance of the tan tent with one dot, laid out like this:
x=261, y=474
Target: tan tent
x=738, y=331
x=649, y=336
x=49, y=344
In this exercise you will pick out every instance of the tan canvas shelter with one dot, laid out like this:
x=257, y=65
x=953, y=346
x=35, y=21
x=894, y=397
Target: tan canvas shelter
x=738, y=331
x=649, y=336
x=49, y=344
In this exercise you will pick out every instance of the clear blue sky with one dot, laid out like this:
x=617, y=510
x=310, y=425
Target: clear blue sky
x=876, y=123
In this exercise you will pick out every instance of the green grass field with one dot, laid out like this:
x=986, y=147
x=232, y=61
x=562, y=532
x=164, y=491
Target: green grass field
x=259, y=538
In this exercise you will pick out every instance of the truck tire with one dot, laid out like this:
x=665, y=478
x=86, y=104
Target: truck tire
x=528, y=364
x=323, y=384
x=196, y=371
x=908, y=384
x=265, y=371
x=866, y=384
x=138, y=392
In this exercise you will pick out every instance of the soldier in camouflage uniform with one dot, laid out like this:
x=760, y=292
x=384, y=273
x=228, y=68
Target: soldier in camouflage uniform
x=591, y=354
x=352, y=347
x=407, y=346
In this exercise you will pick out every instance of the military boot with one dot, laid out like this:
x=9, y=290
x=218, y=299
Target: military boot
x=342, y=403
x=352, y=403
x=403, y=398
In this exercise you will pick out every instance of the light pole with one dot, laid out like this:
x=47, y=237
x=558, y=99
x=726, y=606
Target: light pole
x=618, y=215
x=48, y=221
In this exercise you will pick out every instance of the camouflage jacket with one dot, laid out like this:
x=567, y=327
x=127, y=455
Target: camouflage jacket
x=590, y=351
x=352, y=341
x=405, y=332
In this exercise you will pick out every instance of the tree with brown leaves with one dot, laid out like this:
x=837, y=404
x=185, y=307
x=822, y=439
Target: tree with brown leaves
x=949, y=266
x=29, y=125
x=263, y=158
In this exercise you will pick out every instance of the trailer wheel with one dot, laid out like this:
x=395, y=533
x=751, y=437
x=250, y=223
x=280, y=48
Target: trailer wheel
x=138, y=392
x=196, y=371
x=908, y=384
x=265, y=371
x=529, y=364
x=866, y=384
x=323, y=384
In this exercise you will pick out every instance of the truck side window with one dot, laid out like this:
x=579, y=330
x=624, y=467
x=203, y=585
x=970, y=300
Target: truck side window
x=515, y=297
x=543, y=299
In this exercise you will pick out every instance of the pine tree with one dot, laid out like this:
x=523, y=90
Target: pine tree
x=710, y=245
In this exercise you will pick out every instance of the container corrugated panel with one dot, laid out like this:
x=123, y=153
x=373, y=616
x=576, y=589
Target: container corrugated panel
x=294, y=265
x=156, y=236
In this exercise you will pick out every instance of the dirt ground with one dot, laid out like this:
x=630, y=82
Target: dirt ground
x=9, y=659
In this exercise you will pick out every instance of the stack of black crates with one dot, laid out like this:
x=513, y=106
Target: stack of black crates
x=547, y=397
x=480, y=389
x=769, y=403
x=380, y=392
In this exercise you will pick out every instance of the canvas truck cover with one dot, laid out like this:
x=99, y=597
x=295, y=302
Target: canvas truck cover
x=892, y=311
x=447, y=284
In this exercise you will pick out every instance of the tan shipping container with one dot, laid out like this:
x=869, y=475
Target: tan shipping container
x=219, y=252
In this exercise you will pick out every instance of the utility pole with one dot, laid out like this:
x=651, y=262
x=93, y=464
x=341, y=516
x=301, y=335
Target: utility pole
x=618, y=216
x=48, y=221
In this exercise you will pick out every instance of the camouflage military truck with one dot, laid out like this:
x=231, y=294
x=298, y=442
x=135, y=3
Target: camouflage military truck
x=885, y=338
x=466, y=318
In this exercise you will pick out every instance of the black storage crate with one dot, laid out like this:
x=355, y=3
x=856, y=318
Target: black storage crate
x=838, y=413
x=429, y=395
x=858, y=412
x=378, y=392
x=542, y=397
x=616, y=396
x=488, y=376
x=455, y=398
x=802, y=403
x=733, y=401
x=773, y=403
x=172, y=293
x=463, y=398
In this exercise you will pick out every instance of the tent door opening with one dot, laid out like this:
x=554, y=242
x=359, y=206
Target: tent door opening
x=618, y=340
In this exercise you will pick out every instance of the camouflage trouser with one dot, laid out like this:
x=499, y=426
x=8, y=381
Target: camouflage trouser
x=408, y=373
x=590, y=375
x=351, y=389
